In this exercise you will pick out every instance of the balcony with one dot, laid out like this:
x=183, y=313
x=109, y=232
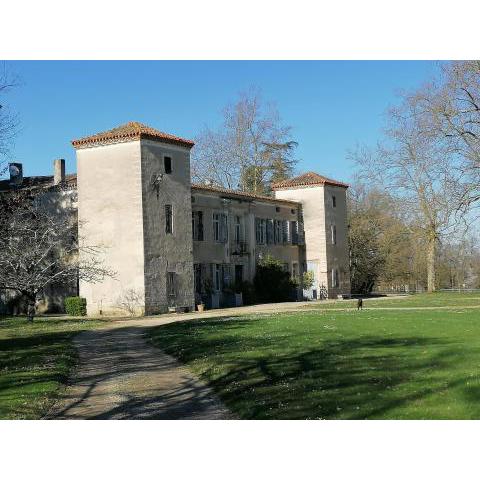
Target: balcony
x=240, y=249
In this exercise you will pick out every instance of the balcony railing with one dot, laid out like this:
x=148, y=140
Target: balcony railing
x=240, y=248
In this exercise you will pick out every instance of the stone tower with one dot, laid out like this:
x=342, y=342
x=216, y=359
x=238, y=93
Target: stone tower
x=134, y=201
x=326, y=231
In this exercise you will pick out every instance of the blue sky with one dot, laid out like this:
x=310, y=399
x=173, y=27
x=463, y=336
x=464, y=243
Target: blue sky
x=331, y=105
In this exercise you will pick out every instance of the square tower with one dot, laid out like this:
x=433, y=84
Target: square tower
x=134, y=203
x=324, y=203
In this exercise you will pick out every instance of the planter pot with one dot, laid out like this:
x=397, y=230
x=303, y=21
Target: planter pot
x=201, y=307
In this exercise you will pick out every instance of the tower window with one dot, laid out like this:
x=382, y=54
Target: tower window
x=335, y=281
x=334, y=234
x=334, y=201
x=168, y=219
x=167, y=163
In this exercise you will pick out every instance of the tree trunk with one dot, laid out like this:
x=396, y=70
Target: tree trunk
x=31, y=310
x=431, y=254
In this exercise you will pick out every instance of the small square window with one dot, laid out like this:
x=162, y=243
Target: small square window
x=167, y=163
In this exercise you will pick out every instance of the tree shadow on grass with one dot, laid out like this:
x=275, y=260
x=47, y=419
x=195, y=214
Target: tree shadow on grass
x=282, y=378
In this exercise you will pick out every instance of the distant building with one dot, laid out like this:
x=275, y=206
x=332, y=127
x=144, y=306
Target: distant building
x=172, y=242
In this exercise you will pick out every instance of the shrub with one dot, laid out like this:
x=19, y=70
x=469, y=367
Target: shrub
x=307, y=280
x=272, y=283
x=76, y=306
x=248, y=292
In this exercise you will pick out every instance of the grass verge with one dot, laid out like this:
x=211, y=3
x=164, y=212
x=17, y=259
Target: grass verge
x=35, y=363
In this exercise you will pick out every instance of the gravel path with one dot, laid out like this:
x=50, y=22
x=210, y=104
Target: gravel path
x=121, y=376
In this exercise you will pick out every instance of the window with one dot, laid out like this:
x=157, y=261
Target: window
x=238, y=274
x=277, y=232
x=333, y=229
x=197, y=226
x=171, y=284
x=168, y=219
x=260, y=230
x=294, y=232
x=220, y=227
x=334, y=201
x=295, y=271
x=217, y=276
x=167, y=164
x=238, y=230
x=285, y=231
x=269, y=231
x=334, y=278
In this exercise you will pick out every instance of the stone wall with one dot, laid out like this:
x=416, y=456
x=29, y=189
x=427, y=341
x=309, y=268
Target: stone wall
x=166, y=252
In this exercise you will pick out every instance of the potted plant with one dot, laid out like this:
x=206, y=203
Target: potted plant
x=199, y=302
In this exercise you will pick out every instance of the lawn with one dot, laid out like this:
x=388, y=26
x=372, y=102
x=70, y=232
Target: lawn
x=437, y=299
x=35, y=362
x=325, y=364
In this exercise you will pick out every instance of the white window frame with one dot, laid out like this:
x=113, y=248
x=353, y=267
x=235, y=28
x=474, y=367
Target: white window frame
x=261, y=231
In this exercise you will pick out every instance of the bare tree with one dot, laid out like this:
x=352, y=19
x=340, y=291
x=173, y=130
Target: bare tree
x=8, y=120
x=130, y=302
x=449, y=109
x=40, y=247
x=413, y=166
x=250, y=150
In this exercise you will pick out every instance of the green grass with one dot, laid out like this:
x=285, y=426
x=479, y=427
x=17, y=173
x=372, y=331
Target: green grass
x=35, y=362
x=437, y=299
x=375, y=364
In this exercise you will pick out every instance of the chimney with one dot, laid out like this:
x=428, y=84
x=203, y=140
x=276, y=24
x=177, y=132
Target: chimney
x=58, y=171
x=16, y=174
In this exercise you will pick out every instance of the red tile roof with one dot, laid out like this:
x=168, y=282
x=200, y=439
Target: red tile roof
x=239, y=194
x=131, y=131
x=306, y=180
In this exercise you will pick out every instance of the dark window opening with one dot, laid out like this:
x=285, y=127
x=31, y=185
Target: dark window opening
x=334, y=201
x=168, y=219
x=197, y=225
x=171, y=284
x=167, y=162
x=238, y=274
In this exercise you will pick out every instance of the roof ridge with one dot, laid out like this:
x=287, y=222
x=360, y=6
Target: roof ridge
x=130, y=131
x=308, y=179
x=229, y=191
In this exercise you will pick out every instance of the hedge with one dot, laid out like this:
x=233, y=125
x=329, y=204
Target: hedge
x=76, y=306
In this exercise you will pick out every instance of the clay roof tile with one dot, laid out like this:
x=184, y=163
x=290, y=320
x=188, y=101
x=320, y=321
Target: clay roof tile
x=306, y=180
x=130, y=131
